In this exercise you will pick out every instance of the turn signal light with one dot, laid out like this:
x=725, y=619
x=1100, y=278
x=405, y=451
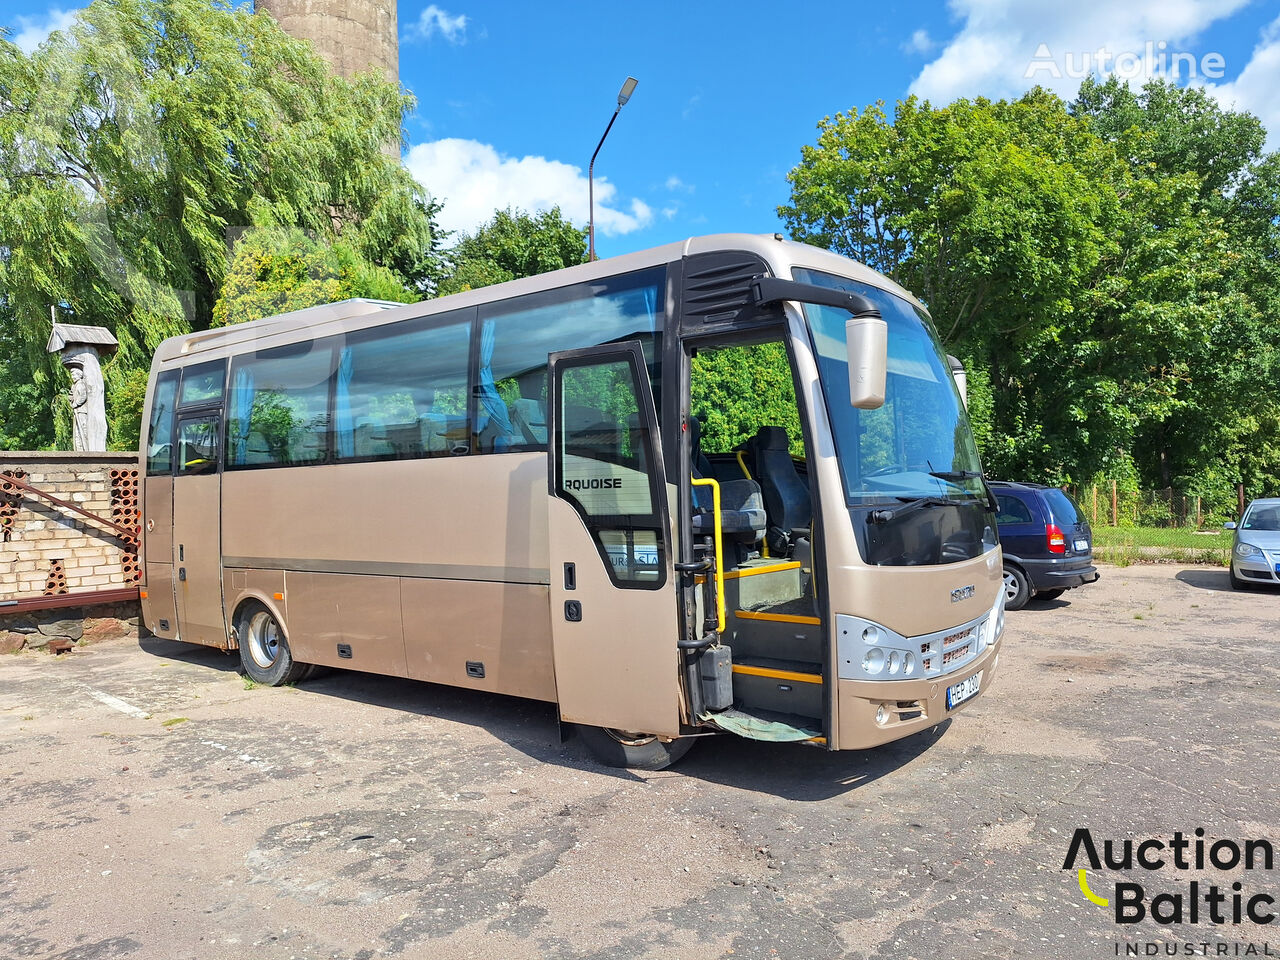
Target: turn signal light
x=1057, y=542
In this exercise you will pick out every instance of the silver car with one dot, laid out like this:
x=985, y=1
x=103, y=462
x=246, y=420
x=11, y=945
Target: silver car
x=1255, y=550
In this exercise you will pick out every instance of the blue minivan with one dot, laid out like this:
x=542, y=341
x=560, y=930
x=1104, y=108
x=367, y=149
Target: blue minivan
x=1047, y=542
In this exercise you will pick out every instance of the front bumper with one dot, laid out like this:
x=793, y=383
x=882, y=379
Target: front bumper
x=1258, y=568
x=911, y=705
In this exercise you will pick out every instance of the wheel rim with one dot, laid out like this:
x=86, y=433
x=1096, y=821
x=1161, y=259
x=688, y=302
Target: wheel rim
x=264, y=639
x=1010, y=587
x=629, y=739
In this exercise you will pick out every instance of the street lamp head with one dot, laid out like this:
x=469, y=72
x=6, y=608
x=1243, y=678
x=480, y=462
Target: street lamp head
x=628, y=88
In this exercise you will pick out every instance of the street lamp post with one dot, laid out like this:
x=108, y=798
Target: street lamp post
x=624, y=95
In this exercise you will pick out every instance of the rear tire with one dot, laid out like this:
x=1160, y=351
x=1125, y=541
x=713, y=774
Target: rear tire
x=639, y=751
x=264, y=652
x=1051, y=594
x=1017, y=591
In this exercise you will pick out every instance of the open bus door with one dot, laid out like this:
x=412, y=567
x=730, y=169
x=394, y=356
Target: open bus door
x=613, y=601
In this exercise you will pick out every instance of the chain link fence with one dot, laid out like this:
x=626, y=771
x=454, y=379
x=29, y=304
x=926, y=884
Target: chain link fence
x=1109, y=505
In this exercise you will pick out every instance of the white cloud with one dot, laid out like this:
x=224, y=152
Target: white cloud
x=433, y=20
x=1255, y=89
x=675, y=184
x=473, y=180
x=33, y=31
x=920, y=42
x=1004, y=47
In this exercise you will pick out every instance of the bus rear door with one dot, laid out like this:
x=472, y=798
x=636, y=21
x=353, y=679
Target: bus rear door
x=197, y=541
x=613, y=604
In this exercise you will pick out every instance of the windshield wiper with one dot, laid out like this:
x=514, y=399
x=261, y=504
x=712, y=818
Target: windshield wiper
x=910, y=506
x=955, y=474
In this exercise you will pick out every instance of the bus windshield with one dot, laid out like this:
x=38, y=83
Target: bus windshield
x=918, y=444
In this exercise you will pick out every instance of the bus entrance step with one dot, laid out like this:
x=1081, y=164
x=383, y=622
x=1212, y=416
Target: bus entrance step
x=761, y=725
x=778, y=687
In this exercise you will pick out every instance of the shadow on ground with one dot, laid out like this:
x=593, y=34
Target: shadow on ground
x=793, y=771
x=1205, y=579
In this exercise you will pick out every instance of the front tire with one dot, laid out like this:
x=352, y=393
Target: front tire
x=1017, y=591
x=264, y=651
x=639, y=751
x=1236, y=582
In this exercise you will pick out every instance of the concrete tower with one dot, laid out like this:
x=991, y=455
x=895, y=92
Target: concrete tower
x=353, y=35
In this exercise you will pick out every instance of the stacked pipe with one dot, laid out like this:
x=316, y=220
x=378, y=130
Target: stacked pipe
x=10, y=501
x=124, y=511
x=56, y=584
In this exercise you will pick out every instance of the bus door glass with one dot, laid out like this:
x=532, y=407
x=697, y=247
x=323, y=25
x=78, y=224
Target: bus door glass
x=613, y=603
x=197, y=542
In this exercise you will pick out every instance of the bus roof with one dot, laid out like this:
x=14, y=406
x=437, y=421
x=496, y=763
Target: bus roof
x=346, y=315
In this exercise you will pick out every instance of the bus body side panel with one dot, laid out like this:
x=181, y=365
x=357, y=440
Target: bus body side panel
x=360, y=613
x=446, y=559
x=159, y=608
x=478, y=634
x=264, y=586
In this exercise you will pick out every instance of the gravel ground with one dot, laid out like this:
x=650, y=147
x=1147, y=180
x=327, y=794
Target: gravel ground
x=155, y=808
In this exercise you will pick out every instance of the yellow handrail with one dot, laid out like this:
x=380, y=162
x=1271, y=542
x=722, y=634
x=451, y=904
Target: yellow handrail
x=715, y=511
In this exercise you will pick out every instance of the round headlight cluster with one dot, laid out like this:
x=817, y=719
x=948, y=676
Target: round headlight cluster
x=1246, y=550
x=896, y=663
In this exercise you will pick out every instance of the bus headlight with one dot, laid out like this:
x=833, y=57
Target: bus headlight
x=873, y=661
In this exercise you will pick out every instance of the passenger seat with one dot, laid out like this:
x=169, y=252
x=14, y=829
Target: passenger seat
x=742, y=513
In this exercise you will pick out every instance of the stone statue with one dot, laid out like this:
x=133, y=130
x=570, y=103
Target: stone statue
x=79, y=348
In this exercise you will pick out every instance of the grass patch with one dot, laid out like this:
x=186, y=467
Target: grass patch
x=174, y=721
x=249, y=682
x=1125, y=545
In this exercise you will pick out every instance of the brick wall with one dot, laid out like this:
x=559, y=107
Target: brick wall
x=47, y=550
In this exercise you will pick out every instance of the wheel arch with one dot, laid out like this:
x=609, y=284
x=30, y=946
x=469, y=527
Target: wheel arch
x=252, y=595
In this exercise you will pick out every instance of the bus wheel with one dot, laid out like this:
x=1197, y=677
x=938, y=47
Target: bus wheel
x=641, y=751
x=264, y=651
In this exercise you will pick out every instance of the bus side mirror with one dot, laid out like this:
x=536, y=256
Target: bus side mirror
x=867, y=343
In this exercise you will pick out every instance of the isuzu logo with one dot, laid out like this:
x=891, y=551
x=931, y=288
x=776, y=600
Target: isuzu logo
x=961, y=593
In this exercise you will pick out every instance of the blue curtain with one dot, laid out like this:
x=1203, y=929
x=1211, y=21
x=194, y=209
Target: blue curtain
x=490, y=399
x=651, y=307
x=346, y=439
x=242, y=412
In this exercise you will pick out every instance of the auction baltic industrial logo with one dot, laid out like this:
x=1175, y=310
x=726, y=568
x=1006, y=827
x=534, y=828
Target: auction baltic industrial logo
x=1243, y=903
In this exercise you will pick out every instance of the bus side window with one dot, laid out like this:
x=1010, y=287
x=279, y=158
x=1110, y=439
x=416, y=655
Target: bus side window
x=516, y=336
x=160, y=429
x=401, y=392
x=198, y=445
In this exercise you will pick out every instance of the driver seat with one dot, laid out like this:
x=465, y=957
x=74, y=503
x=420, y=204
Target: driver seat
x=786, y=496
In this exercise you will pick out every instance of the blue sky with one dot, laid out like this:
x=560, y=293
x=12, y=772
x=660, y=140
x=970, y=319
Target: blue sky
x=512, y=97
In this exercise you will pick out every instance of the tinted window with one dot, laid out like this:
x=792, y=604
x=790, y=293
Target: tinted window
x=1064, y=509
x=202, y=383
x=402, y=392
x=160, y=429
x=1012, y=510
x=278, y=414
x=516, y=336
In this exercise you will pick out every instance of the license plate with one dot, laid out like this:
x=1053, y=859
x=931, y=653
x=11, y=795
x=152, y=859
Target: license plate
x=1082, y=545
x=958, y=693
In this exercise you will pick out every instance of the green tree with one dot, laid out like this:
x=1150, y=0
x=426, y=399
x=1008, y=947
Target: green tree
x=1097, y=289
x=515, y=244
x=134, y=146
x=276, y=270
